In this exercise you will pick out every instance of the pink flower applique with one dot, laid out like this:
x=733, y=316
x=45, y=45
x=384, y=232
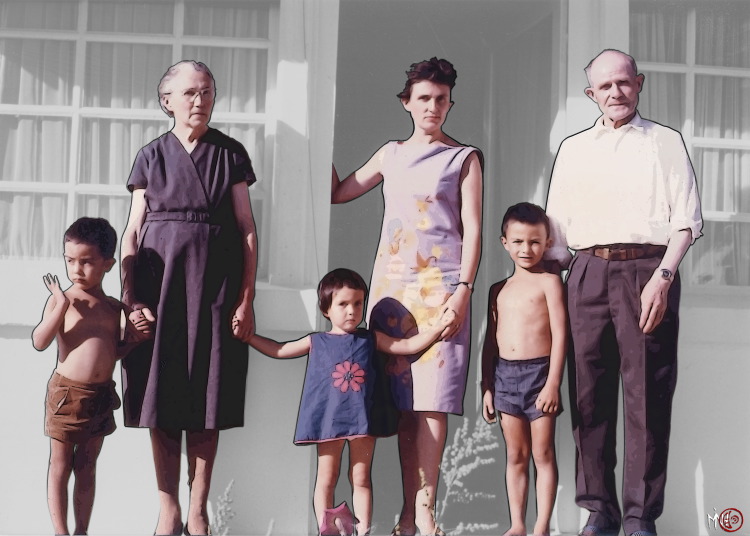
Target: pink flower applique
x=348, y=375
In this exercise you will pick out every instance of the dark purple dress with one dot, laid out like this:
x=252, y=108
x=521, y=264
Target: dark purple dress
x=188, y=269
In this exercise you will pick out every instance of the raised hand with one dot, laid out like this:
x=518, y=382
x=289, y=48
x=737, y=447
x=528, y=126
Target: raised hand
x=53, y=285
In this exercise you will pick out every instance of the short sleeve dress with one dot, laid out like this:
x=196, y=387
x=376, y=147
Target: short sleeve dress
x=337, y=396
x=417, y=267
x=188, y=269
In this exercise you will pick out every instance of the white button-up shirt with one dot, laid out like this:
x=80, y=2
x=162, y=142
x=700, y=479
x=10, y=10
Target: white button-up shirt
x=634, y=184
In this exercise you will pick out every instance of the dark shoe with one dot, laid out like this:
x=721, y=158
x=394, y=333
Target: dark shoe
x=178, y=533
x=398, y=531
x=593, y=530
x=186, y=532
x=642, y=533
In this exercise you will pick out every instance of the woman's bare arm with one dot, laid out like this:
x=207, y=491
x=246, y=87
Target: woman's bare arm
x=243, y=310
x=361, y=181
x=129, y=244
x=471, y=249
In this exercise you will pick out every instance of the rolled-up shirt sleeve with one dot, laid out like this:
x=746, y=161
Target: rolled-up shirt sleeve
x=684, y=201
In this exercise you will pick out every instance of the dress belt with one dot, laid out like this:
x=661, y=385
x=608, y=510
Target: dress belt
x=184, y=215
x=625, y=252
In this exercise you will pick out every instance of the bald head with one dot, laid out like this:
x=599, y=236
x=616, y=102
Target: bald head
x=609, y=53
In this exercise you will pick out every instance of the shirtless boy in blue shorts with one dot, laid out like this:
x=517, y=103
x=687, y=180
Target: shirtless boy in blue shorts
x=522, y=364
x=81, y=395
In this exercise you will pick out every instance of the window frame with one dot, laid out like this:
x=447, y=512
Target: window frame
x=76, y=112
x=691, y=70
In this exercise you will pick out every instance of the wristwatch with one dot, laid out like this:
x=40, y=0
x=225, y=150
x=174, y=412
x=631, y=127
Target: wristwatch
x=470, y=286
x=667, y=274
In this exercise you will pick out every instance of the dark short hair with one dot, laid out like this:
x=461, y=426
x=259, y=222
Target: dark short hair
x=525, y=213
x=336, y=280
x=94, y=232
x=434, y=70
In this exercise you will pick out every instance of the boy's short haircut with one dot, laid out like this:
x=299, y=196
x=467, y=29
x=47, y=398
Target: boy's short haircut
x=525, y=213
x=95, y=232
x=336, y=280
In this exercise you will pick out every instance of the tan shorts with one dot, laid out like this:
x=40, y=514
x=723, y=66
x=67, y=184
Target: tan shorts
x=77, y=411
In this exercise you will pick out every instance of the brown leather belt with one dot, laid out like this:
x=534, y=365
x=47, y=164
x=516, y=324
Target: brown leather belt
x=625, y=252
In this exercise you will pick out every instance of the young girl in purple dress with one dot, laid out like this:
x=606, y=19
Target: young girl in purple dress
x=338, y=394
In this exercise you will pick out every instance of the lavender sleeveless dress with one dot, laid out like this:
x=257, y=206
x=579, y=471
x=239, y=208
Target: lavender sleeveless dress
x=417, y=267
x=337, y=395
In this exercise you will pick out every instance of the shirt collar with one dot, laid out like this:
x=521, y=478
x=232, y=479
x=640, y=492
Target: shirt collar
x=637, y=123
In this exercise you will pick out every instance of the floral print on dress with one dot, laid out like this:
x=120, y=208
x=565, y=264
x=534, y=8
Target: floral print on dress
x=418, y=265
x=348, y=376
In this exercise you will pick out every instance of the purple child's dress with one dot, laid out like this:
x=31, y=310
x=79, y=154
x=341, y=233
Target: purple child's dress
x=337, y=395
x=417, y=267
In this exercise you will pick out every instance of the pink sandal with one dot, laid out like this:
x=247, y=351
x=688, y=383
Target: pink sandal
x=338, y=521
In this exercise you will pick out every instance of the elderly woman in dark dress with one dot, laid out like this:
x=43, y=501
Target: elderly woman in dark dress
x=188, y=261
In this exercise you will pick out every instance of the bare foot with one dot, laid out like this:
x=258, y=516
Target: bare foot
x=516, y=530
x=541, y=529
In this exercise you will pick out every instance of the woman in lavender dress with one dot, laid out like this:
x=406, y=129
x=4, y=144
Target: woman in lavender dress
x=426, y=263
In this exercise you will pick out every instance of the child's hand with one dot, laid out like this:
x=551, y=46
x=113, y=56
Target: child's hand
x=449, y=315
x=488, y=407
x=235, y=326
x=444, y=323
x=53, y=285
x=236, y=330
x=548, y=400
x=143, y=320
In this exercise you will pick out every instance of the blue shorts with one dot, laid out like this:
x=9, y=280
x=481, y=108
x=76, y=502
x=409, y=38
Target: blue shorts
x=518, y=383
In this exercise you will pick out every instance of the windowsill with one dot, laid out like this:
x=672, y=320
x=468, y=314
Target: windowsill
x=277, y=308
x=717, y=296
x=285, y=309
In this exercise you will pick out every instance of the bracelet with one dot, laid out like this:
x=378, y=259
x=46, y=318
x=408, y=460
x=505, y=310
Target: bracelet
x=470, y=286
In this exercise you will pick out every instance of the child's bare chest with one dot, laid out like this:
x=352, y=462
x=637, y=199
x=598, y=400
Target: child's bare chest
x=88, y=318
x=521, y=301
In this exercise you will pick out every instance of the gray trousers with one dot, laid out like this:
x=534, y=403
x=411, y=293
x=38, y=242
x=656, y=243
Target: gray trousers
x=604, y=308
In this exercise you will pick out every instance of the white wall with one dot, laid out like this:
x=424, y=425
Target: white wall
x=708, y=465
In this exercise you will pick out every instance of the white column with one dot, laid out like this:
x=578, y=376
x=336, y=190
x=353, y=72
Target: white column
x=304, y=108
x=593, y=25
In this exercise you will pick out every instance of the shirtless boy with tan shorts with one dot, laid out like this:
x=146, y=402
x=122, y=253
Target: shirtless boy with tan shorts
x=81, y=395
x=522, y=364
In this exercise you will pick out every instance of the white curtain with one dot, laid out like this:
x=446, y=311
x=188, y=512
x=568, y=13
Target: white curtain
x=721, y=111
x=122, y=76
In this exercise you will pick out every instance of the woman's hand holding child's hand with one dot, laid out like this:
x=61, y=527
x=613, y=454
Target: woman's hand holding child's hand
x=458, y=304
x=446, y=321
x=143, y=320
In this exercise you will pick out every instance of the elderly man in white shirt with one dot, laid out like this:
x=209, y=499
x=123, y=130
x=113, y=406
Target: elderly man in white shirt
x=623, y=197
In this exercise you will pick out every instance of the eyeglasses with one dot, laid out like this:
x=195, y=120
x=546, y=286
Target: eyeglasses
x=192, y=94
